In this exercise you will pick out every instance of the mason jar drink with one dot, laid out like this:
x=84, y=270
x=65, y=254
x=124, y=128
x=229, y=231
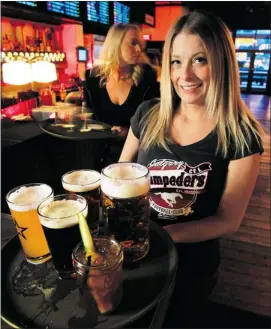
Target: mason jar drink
x=59, y=218
x=23, y=202
x=86, y=183
x=103, y=277
x=125, y=202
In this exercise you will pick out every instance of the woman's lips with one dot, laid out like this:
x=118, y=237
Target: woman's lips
x=191, y=87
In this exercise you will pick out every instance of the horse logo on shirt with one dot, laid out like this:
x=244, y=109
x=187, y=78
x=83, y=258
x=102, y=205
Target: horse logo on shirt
x=169, y=198
x=176, y=185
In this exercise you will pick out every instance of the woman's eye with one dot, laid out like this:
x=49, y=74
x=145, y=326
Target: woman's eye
x=175, y=62
x=134, y=42
x=200, y=60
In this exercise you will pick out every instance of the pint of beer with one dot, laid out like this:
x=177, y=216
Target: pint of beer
x=125, y=201
x=59, y=218
x=23, y=202
x=86, y=183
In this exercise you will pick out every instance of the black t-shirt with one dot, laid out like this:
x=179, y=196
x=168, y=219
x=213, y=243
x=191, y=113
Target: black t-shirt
x=119, y=115
x=186, y=184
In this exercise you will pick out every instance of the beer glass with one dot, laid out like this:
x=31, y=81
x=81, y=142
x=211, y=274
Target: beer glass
x=103, y=279
x=59, y=218
x=125, y=202
x=23, y=202
x=86, y=183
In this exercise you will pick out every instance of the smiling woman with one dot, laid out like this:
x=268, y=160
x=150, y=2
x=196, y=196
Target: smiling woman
x=202, y=147
x=190, y=72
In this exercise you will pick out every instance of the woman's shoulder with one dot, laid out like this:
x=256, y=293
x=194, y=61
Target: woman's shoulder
x=140, y=117
x=253, y=142
x=144, y=109
x=92, y=73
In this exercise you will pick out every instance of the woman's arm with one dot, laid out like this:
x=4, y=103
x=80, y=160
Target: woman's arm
x=241, y=180
x=130, y=147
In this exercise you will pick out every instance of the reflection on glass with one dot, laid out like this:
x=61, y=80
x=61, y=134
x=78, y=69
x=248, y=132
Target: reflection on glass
x=261, y=66
x=263, y=39
x=252, y=39
x=246, y=33
x=243, y=59
x=245, y=39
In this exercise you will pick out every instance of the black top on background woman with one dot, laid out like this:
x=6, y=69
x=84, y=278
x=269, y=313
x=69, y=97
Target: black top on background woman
x=122, y=80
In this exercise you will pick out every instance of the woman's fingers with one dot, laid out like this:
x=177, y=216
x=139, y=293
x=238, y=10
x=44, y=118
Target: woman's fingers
x=117, y=128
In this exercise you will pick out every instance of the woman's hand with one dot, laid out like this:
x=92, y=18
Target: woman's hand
x=120, y=129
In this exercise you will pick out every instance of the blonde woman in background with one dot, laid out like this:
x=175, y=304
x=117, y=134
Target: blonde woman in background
x=202, y=146
x=122, y=80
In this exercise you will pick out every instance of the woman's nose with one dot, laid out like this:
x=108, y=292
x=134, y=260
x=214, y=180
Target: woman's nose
x=137, y=48
x=185, y=71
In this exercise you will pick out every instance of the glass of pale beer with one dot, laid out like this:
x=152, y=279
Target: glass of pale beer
x=125, y=191
x=85, y=182
x=23, y=202
x=59, y=218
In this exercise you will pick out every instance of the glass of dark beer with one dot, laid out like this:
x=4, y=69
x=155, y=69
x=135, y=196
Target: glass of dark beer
x=59, y=218
x=125, y=202
x=86, y=183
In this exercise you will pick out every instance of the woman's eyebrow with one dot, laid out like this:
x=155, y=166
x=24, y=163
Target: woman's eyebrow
x=193, y=55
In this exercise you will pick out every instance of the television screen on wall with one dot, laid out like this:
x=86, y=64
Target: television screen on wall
x=68, y=8
x=28, y=3
x=121, y=13
x=82, y=54
x=98, y=12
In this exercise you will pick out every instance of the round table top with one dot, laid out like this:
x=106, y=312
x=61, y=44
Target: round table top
x=76, y=133
x=33, y=296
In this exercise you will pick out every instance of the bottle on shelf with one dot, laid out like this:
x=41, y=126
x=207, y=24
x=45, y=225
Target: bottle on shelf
x=4, y=44
x=48, y=48
x=7, y=44
x=62, y=92
x=27, y=43
x=53, y=95
x=42, y=49
x=49, y=38
x=48, y=97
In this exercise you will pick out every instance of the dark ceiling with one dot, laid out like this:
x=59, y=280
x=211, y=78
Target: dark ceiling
x=237, y=14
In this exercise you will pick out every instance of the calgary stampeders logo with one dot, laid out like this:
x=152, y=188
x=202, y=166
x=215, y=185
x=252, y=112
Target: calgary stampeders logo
x=175, y=185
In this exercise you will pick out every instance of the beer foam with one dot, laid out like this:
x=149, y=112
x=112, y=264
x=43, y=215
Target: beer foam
x=61, y=213
x=81, y=181
x=124, y=181
x=28, y=197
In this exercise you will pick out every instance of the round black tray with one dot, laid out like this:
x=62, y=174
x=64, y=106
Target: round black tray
x=33, y=296
x=76, y=134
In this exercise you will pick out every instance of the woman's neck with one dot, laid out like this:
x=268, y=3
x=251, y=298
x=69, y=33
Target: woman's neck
x=192, y=112
x=124, y=72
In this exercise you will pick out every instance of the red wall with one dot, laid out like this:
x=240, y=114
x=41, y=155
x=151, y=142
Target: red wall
x=165, y=16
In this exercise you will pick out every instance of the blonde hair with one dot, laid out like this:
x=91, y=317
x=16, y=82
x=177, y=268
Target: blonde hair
x=110, y=54
x=233, y=120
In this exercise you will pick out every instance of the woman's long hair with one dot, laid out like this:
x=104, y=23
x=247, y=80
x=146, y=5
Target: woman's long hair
x=233, y=120
x=109, y=59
